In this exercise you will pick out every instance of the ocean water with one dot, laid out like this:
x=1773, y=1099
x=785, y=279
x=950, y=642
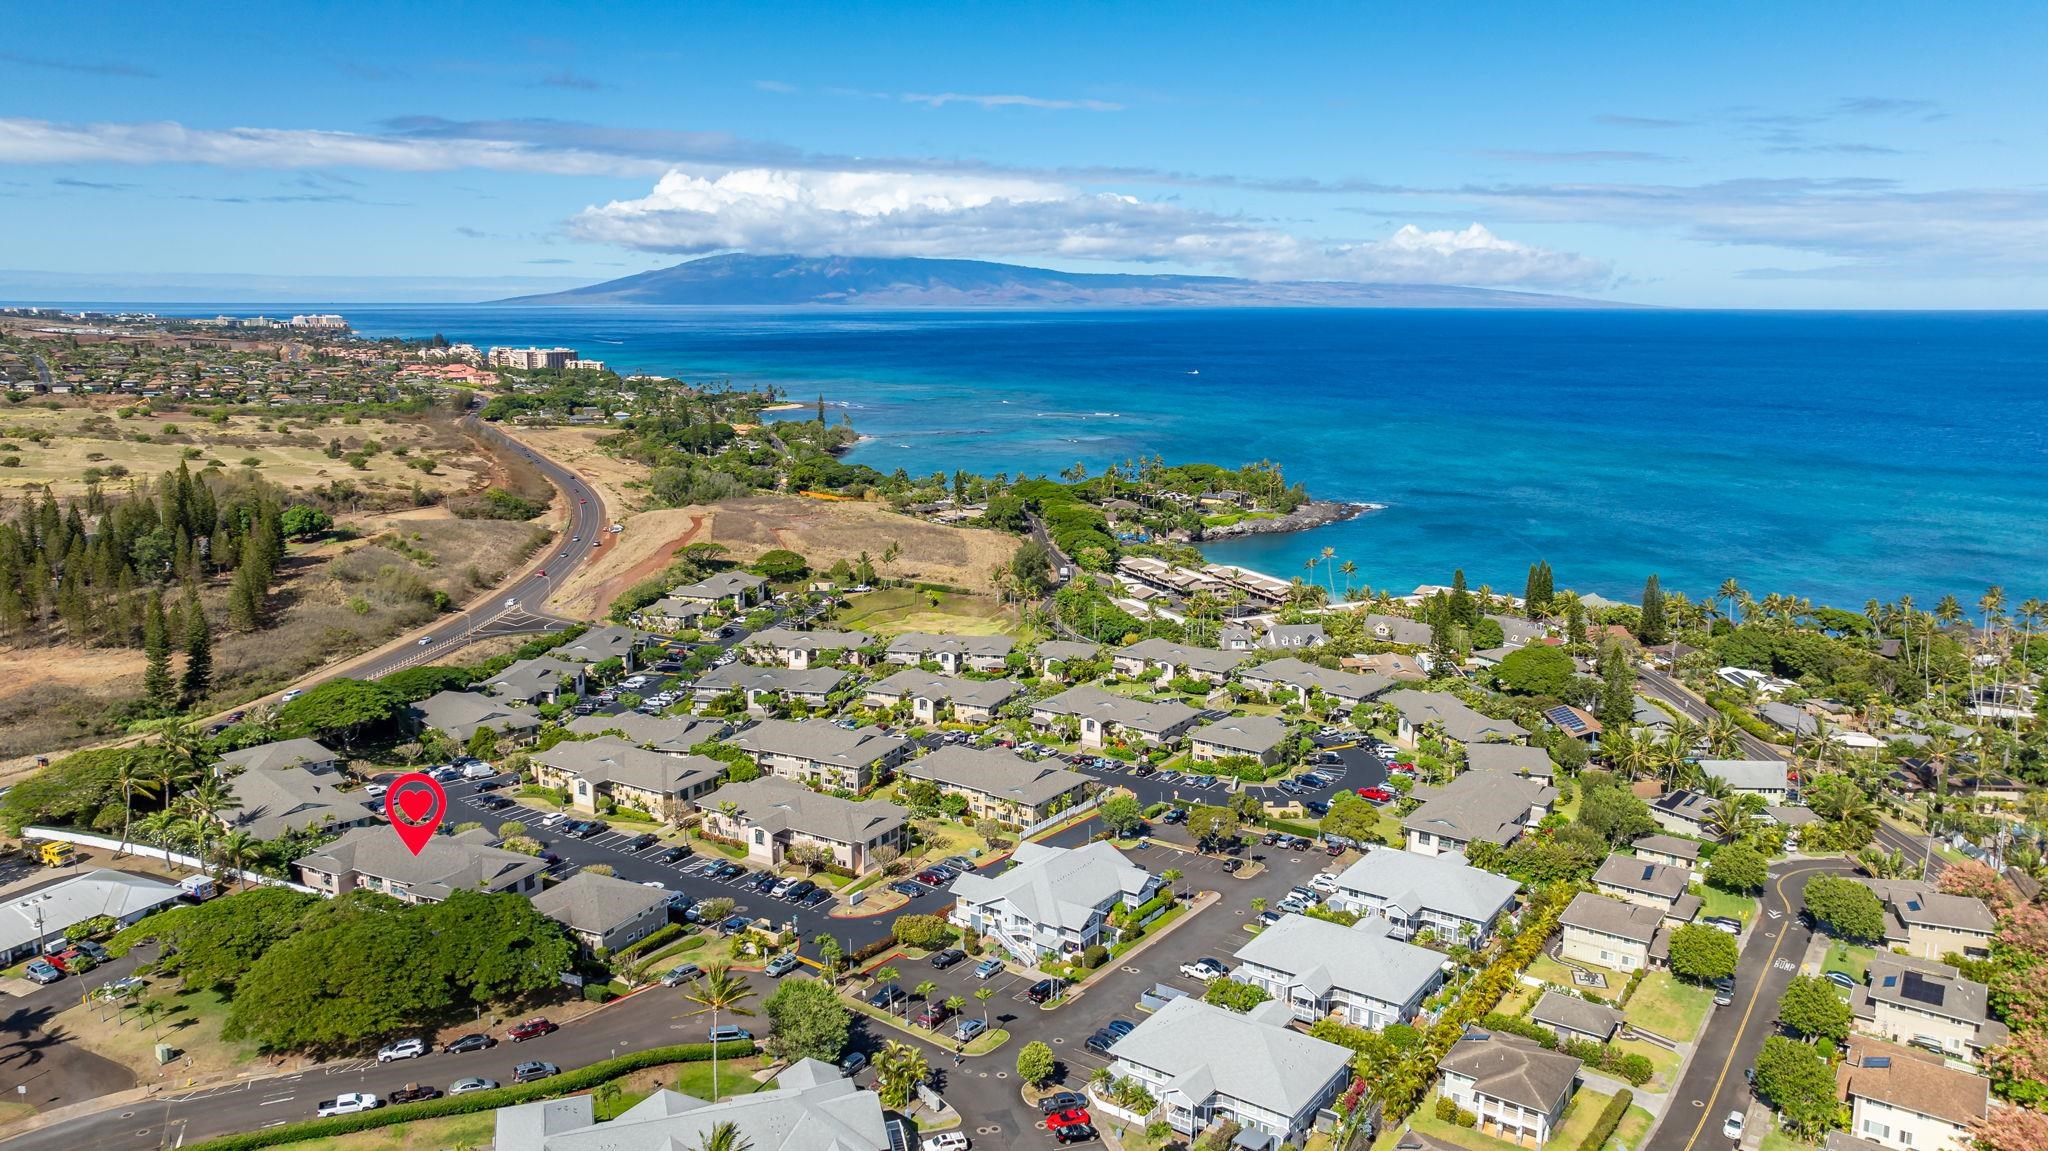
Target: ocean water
x=1835, y=456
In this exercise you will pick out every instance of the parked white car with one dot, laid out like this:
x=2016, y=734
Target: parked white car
x=1731, y=1127
x=1204, y=969
x=1325, y=882
x=349, y=1104
x=945, y=1141
x=403, y=1049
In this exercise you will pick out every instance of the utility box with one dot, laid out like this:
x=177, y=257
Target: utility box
x=164, y=1054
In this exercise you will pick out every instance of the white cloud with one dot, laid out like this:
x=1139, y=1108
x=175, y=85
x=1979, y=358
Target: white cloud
x=914, y=214
x=941, y=99
x=25, y=141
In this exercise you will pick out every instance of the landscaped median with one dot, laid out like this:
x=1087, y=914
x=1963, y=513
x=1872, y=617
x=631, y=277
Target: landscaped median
x=568, y=1083
x=982, y=1044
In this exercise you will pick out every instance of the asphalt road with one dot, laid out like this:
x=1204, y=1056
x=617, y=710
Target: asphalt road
x=1714, y=1083
x=522, y=608
x=1657, y=685
x=36, y=1056
x=653, y=1018
x=1919, y=850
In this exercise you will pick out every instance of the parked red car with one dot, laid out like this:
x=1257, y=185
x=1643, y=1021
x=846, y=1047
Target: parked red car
x=1376, y=794
x=1077, y=1116
x=1403, y=768
x=530, y=1029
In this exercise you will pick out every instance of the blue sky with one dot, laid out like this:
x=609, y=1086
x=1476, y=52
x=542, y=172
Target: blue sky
x=1812, y=155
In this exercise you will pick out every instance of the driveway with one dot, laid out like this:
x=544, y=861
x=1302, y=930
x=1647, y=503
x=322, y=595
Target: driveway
x=36, y=1055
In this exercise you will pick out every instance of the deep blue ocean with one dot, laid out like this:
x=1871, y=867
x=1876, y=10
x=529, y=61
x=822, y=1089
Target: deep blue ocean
x=1835, y=456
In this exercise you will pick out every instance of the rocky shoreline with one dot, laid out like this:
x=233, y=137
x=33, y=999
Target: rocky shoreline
x=1313, y=514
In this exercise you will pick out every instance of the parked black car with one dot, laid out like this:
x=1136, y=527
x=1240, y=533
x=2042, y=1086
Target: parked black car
x=1060, y=1101
x=680, y=851
x=641, y=842
x=948, y=958
x=1040, y=991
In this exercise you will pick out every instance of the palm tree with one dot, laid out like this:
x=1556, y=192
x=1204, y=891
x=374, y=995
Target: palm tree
x=1349, y=569
x=1724, y=737
x=887, y=975
x=1329, y=569
x=1258, y=904
x=160, y=828
x=984, y=994
x=1732, y=818
x=1733, y=593
x=725, y=1137
x=925, y=990
x=898, y=1071
x=1171, y=876
x=718, y=991
x=235, y=850
x=132, y=776
x=955, y=1005
x=605, y=1094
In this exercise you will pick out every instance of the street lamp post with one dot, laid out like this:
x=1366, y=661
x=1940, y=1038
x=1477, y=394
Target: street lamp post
x=32, y=907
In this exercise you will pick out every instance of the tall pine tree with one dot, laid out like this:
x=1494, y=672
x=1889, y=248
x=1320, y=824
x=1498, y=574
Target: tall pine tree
x=198, y=650
x=157, y=685
x=1617, y=689
x=1651, y=628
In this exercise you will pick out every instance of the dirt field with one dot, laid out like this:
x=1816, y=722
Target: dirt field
x=56, y=447
x=333, y=600
x=821, y=531
x=622, y=484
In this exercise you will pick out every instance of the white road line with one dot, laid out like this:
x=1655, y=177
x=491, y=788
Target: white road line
x=279, y=1099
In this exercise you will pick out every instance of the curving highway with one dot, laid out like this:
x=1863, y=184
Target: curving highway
x=520, y=608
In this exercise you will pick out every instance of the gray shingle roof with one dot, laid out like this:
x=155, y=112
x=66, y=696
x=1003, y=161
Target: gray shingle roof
x=660, y=732
x=787, y=639
x=1668, y=845
x=1632, y=874
x=1514, y=1069
x=1512, y=758
x=1058, y=886
x=1478, y=806
x=1202, y=659
x=1922, y=904
x=926, y=644
x=1441, y=883
x=594, y=903
x=1292, y=672
x=777, y=680
x=996, y=772
x=459, y=714
x=600, y=643
x=1747, y=774
x=1925, y=985
x=1322, y=955
x=781, y=805
x=608, y=759
x=1205, y=1049
x=98, y=892
x=1611, y=916
x=271, y=802
x=931, y=685
x=1457, y=718
x=1120, y=710
x=1571, y=1012
x=1064, y=649
x=1243, y=734
x=718, y=586
x=283, y=753
x=811, y=1108
x=1399, y=629
x=531, y=677
x=447, y=864
x=820, y=741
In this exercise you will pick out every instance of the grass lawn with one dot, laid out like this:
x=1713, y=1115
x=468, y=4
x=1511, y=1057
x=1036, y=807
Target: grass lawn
x=1776, y=1140
x=986, y=1042
x=1668, y=1007
x=735, y=1077
x=1848, y=957
x=1719, y=902
x=191, y=1024
x=419, y=1135
x=893, y=611
x=1666, y=1062
x=1635, y=1124
x=1520, y=999
x=1551, y=971
x=1579, y=1117
x=944, y=838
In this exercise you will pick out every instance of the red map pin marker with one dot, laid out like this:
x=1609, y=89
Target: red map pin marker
x=415, y=805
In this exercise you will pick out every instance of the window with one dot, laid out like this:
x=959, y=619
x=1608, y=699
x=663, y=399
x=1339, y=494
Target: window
x=1879, y=1130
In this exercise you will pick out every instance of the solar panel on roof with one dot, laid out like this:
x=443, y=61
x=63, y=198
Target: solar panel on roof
x=1912, y=905
x=1922, y=990
x=1878, y=1061
x=1566, y=718
x=1649, y=870
x=1891, y=981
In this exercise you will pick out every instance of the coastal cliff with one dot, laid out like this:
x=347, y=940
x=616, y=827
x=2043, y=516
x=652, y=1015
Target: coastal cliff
x=1313, y=514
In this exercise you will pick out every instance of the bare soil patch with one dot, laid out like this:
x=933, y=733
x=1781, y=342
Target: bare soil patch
x=822, y=531
x=621, y=483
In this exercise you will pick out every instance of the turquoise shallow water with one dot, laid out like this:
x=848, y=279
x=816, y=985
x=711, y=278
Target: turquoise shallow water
x=1837, y=456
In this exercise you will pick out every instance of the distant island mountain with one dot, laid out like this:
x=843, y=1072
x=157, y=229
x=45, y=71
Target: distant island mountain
x=919, y=283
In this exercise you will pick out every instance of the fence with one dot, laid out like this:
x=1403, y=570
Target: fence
x=83, y=839
x=1059, y=817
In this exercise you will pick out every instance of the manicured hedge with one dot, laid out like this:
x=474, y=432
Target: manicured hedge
x=568, y=1083
x=1301, y=829
x=1603, y=1128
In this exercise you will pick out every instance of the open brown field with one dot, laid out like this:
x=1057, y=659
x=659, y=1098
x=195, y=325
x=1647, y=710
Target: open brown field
x=56, y=446
x=332, y=600
x=822, y=531
x=621, y=483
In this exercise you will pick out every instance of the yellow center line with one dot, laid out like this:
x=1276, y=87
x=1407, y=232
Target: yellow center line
x=1706, y=1108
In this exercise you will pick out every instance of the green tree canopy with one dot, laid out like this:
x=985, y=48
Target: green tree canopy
x=1538, y=669
x=304, y=521
x=1035, y=1063
x=1238, y=997
x=810, y=1021
x=1848, y=908
x=1121, y=814
x=1351, y=816
x=341, y=708
x=1737, y=867
x=1796, y=1079
x=781, y=565
x=1617, y=814
x=1812, y=1007
x=1701, y=952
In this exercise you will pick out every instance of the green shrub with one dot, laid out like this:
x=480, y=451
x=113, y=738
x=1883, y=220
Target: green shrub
x=1467, y=1118
x=568, y=1083
x=1610, y=1118
x=1446, y=1110
x=597, y=993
